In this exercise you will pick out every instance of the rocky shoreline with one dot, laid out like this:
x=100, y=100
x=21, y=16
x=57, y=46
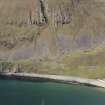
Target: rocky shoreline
x=54, y=78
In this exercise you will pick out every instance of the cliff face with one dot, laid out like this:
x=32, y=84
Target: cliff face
x=81, y=21
x=52, y=28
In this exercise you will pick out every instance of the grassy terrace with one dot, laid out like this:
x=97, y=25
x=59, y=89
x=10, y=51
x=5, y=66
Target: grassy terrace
x=88, y=65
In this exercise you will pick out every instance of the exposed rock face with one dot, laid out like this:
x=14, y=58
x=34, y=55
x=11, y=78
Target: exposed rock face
x=60, y=12
x=62, y=25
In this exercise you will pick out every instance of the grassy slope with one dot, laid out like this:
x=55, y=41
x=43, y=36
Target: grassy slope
x=87, y=17
x=16, y=29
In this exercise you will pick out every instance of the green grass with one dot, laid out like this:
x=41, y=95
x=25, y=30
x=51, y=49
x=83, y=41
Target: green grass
x=51, y=67
x=6, y=66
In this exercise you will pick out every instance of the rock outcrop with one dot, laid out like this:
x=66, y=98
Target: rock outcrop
x=51, y=26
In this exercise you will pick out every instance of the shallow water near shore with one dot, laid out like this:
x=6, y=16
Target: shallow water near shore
x=14, y=92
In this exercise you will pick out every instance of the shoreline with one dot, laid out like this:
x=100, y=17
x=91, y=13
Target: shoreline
x=54, y=78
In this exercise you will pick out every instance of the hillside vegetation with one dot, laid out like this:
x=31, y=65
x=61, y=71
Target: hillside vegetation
x=53, y=36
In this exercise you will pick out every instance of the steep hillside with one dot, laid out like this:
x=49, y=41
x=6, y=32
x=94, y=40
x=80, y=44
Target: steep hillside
x=53, y=33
